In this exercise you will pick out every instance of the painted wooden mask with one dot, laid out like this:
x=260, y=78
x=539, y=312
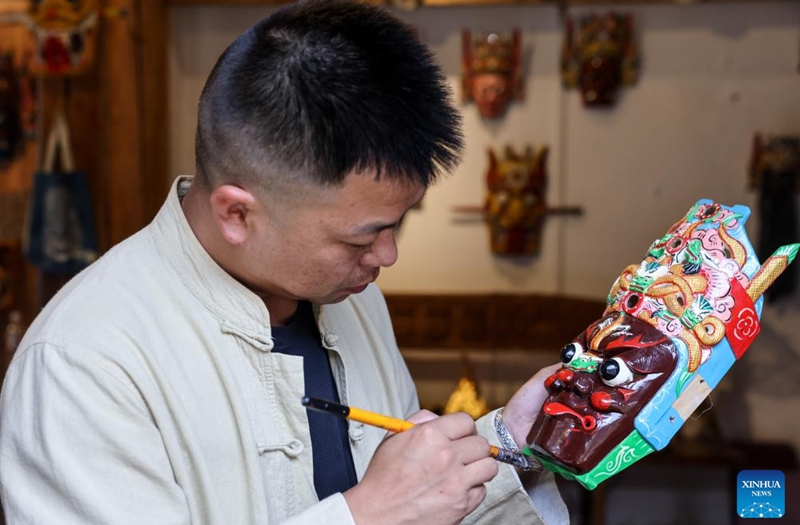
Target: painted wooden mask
x=515, y=201
x=674, y=325
x=491, y=71
x=601, y=58
x=775, y=162
x=63, y=35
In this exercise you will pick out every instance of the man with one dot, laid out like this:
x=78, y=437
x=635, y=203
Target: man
x=163, y=384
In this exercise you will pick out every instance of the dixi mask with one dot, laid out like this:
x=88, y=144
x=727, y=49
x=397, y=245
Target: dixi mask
x=601, y=58
x=674, y=325
x=515, y=201
x=491, y=71
x=63, y=35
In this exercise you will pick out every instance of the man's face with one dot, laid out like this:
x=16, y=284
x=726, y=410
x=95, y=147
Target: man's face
x=332, y=242
x=610, y=372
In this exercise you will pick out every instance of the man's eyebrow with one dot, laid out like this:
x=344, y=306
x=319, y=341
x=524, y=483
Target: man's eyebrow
x=373, y=227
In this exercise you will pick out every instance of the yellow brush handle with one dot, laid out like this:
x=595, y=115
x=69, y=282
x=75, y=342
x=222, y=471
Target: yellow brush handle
x=398, y=425
x=379, y=420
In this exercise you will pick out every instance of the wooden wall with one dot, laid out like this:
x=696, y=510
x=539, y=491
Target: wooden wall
x=117, y=118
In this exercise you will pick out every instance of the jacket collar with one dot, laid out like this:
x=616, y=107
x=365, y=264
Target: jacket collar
x=239, y=310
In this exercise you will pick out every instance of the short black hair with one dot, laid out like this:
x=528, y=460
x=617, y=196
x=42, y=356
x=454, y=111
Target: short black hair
x=323, y=88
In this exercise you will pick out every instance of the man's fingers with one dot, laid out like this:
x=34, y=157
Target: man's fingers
x=422, y=416
x=454, y=426
x=475, y=496
x=481, y=471
x=471, y=449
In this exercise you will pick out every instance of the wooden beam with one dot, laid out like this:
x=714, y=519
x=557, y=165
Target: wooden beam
x=133, y=95
x=154, y=95
x=122, y=118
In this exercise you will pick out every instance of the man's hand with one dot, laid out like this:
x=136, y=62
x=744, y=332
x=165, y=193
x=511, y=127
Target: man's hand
x=524, y=406
x=432, y=473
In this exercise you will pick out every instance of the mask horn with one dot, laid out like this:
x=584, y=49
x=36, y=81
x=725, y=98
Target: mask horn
x=771, y=270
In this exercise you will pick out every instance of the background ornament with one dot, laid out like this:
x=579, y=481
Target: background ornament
x=515, y=207
x=491, y=71
x=63, y=33
x=600, y=58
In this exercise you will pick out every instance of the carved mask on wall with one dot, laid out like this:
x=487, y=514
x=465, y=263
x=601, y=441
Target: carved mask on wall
x=674, y=325
x=64, y=36
x=491, y=71
x=515, y=201
x=601, y=59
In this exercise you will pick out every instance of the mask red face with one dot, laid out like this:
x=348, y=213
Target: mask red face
x=491, y=71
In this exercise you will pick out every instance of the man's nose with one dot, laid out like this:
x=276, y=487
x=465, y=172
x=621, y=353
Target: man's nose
x=382, y=252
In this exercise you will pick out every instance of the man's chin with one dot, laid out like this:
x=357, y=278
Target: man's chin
x=341, y=295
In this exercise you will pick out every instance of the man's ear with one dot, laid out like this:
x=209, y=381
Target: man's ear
x=232, y=208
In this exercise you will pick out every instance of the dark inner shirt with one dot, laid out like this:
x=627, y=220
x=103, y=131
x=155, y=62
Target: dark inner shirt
x=333, y=462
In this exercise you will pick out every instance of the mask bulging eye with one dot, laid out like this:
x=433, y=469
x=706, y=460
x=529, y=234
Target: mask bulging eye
x=571, y=352
x=615, y=372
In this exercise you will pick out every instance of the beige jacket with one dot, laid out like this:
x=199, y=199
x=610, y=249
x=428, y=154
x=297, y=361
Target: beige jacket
x=147, y=393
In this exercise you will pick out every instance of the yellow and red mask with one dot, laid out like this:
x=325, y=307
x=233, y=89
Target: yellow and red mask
x=63, y=32
x=515, y=201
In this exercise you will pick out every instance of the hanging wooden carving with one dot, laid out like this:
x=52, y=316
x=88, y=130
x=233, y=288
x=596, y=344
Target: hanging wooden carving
x=515, y=200
x=490, y=71
x=63, y=35
x=600, y=58
x=515, y=208
x=774, y=172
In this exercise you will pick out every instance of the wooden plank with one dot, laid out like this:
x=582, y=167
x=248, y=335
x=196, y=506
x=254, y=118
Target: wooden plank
x=154, y=89
x=123, y=123
x=694, y=394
